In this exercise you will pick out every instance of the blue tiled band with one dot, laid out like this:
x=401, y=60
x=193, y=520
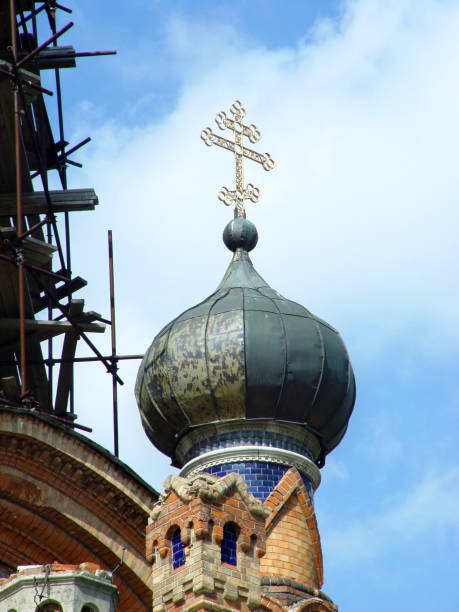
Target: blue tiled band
x=251, y=438
x=261, y=477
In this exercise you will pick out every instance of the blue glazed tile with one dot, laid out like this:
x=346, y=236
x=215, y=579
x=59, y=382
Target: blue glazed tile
x=228, y=545
x=255, y=437
x=260, y=477
x=178, y=550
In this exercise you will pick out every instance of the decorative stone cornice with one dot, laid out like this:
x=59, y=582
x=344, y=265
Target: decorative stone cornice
x=210, y=488
x=46, y=463
x=30, y=428
x=253, y=453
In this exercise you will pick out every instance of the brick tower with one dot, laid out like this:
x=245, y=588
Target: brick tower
x=247, y=392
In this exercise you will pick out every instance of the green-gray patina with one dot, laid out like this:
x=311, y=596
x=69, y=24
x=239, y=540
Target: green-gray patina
x=245, y=352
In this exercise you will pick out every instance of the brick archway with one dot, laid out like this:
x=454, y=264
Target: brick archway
x=64, y=498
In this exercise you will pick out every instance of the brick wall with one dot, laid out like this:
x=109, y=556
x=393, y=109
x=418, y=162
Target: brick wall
x=200, y=507
x=64, y=498
x=289, y=548
x=293, y=549
x=279, y=559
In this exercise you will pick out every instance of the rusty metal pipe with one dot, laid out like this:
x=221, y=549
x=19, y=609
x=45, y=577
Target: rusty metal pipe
x=84, y=54
x=33, y=13
x=63, y=8
x=109, y=367
x=113, y=335
x=49, y=361
x=19, y=218
x=33, y=228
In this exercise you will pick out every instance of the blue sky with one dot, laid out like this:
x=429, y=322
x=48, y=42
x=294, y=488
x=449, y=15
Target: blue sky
x=358, y=104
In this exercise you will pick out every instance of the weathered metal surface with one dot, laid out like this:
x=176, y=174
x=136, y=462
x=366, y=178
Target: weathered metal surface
x=246, y=352
x=240, y=233
x=225, y=362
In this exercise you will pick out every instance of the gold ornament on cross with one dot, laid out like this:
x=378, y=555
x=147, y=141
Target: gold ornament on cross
x=241, y=193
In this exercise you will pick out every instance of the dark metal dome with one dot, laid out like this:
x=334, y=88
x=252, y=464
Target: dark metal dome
x=246, y=353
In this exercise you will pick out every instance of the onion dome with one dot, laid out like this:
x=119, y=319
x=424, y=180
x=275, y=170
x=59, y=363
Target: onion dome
x=244, y=368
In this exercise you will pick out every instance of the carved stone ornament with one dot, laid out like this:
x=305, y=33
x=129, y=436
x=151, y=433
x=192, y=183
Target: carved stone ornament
x=210, y=488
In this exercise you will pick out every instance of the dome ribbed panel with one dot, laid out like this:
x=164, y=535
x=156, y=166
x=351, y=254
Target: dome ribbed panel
x=245, y=352
x=224, y=339
x=156, y=427
x=157, y=379
x=265, y=362
x=335, y=429
x=303, y=367
x=188, y=370
x=335, y=380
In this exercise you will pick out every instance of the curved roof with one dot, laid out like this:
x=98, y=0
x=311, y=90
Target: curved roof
x=245, y=352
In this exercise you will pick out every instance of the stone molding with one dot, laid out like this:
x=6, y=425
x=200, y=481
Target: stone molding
x=312, y=604
x=267, y=581
x=47, y=464
x=33, y=427
x=210, y=488
x=253, y=453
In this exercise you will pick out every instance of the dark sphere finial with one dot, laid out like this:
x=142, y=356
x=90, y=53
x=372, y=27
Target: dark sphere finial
x=240, y=233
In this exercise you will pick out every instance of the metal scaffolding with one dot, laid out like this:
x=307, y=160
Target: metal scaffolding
x=35, y=260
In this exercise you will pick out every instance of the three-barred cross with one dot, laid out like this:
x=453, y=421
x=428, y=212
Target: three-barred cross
x=241, y=192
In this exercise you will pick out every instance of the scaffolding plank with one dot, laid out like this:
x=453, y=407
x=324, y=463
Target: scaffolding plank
x=56, y=57
x=43, y=326
x=62, y=201
x=76, y=284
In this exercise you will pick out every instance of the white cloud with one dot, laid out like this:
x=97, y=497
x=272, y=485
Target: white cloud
x=335, y=470
x=383, y=441
x=359, y=219
x=428, y=509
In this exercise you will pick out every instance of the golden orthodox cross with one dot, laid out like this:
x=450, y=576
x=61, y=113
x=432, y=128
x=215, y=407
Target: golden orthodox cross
x=241, y=193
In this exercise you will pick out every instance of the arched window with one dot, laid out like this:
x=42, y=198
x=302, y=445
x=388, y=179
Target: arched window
x=50, y=607
x=178, y=549
x=88, y=608
x=228, y=546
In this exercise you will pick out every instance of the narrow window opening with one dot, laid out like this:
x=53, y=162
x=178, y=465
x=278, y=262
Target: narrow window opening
x=253, y=543
x=228, y=546
x=178, y=549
